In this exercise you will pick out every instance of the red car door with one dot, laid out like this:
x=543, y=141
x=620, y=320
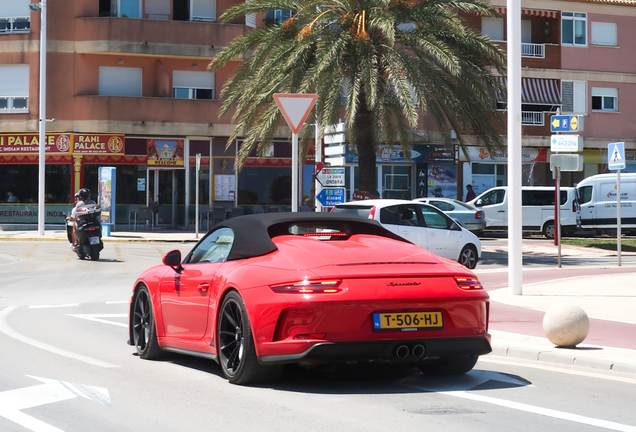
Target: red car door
x=185, y=298
x=185, y=295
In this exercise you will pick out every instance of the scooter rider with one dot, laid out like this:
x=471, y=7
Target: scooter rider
x=84, y=196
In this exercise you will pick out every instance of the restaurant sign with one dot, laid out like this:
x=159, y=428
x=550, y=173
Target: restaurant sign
x=62, y=143
x=165, y=153
x=30, y=143
x=98, y=144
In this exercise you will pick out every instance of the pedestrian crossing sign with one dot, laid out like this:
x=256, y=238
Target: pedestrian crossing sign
x=616, y=156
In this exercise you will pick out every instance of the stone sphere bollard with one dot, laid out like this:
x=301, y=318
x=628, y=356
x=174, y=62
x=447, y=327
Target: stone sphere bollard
x=566, y=324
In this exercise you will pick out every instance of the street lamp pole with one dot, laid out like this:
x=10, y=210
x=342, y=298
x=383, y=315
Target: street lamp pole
x=42, y=138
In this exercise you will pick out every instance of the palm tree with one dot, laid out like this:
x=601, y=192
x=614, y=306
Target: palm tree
x=397, y=60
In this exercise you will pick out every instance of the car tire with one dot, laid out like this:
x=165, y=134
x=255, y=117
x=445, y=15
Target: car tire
x=548, y=229
x=449, y=366
x=144, y=328
x=468, y=256
x=237, y=353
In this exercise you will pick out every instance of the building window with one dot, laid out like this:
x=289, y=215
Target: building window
x=493, y=28
x=604, y=34
x=14, y=88
x=15, y=16
x=574, y=97
x=203, y=10
x=192, y=85
x=574, y=28
x=119, y=81
x=277, y=16
x=604, y=99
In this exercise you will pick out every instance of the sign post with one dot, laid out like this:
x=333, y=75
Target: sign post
x=616, y=161
x=564, y=162
x=295, y=109
x=196, y=197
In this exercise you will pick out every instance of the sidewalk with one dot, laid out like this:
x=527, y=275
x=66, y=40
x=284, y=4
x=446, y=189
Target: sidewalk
x=608, y=297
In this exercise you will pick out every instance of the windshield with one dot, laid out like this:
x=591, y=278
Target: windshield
x=359, y=210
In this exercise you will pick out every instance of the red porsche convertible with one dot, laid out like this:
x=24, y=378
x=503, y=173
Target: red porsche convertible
x=260, y=291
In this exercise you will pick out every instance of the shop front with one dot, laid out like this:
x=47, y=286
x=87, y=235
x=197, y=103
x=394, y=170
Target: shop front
x=484, y=169
x=430, y=171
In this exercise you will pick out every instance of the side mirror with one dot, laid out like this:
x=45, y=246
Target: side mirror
x=479, y=203
x=173, y=259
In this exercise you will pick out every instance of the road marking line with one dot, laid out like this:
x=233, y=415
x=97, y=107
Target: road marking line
x=4, y=328
x=117, y=302
x=161, y=253
x=69, y=257
x=559, y=370
x=547, y=412
x=97, y=318
x=53, y=306
x=121, y=259
x=30, y=252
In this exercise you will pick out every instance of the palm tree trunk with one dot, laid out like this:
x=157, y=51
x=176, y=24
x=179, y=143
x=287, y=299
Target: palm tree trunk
x=365, y=147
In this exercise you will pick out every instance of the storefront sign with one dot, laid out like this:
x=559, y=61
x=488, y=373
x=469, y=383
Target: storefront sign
x=165, y=153
x=106, y=196
x=98, y=144
x=28, y=213
x=482, y=154
x=29, y=143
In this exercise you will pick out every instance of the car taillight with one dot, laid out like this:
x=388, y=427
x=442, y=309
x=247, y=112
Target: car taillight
x=308, y=287
x=477, y=215
x=372, y=213
x=468, y=283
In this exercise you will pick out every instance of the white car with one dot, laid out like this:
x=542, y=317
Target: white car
x=421, y=224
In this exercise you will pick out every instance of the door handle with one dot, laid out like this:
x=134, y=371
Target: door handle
x=204, y=287
x=501, y=211
x=591, y=207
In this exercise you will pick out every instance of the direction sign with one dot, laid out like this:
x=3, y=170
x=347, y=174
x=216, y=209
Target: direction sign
x=616, y=156
x=335, y=150
x=330, y=197
x=331, y=177
x=566, y=123
x=566, y=162
x=336, y=161
x=566, y=143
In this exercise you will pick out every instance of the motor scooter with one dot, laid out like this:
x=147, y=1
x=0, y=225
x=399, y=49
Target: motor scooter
x=88, y=231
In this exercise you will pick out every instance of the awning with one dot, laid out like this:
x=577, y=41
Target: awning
x=532, y=12
x=535, y=91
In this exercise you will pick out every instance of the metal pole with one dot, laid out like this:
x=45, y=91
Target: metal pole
x=515, y=259
x=317, y=185
x=294, y=172
x=618, y=215
x=196, y=197
x=557, y=215
x=42, y=137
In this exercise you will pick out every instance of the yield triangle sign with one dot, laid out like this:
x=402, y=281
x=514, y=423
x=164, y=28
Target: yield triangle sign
x=295, y=108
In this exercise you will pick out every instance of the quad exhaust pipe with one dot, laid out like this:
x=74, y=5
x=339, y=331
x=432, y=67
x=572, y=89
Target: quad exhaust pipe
x=404, y=351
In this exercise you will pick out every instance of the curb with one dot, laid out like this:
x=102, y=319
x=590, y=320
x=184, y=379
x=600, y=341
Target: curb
x=570, y=357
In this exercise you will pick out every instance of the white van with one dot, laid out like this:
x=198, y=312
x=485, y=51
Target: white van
x=597, y=195
x=537, y=209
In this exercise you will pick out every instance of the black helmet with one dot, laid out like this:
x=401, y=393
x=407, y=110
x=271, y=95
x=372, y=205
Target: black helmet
x=84, y=194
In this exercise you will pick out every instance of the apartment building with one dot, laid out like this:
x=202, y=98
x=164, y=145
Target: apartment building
x=578, y=57
x=127, y=87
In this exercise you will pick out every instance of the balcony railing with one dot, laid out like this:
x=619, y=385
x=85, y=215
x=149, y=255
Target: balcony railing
x=533, y=50
x=532, y=118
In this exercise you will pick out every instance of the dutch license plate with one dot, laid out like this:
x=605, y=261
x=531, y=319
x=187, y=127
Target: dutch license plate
x=407, y=321
x=93, y=240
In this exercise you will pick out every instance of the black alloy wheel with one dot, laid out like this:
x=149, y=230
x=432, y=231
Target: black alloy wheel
x=237, y=354
x=143, y=325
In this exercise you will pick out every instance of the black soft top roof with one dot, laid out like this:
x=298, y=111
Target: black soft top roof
x=253, y=233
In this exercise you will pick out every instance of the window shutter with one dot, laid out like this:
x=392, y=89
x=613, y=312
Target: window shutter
x=567, y=96
x=580, y=97
x=191, y=79
x=14, y=8
x=204, y=10
x=14, y=80
x=119, y=81
x=250, y=19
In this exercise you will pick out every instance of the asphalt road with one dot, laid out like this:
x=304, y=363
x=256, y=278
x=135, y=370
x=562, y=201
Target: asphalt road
x=65, y=366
